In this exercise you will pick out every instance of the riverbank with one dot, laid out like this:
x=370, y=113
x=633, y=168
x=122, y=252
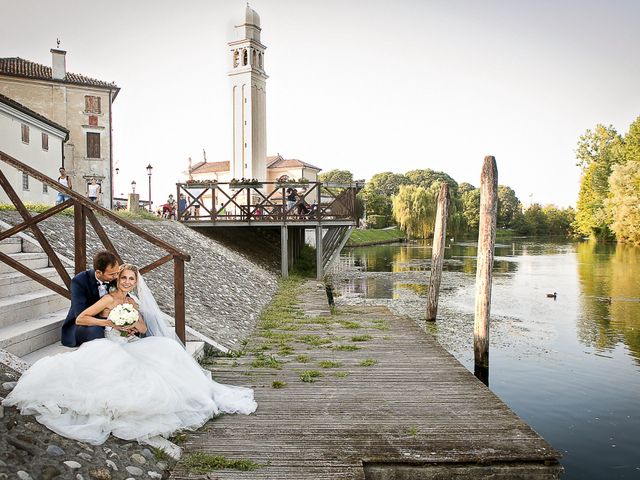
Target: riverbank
x=362, y=238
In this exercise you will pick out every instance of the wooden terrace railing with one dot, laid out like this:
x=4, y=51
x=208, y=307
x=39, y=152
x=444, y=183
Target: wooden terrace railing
x=266, y=202
x=83, y=210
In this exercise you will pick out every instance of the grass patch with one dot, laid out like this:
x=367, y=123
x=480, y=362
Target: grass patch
x=310, y=376
x=314, y=340
x=346, y=348
x=179, y=438
x=262, y=361
x=35, y=208
x=286, y=350
x=278, y=384
x=160, y=455
x=369, y=362
x=316, y=321
x=367, y=237
x=361, y=338
x=413, y=431
x=380, y=324
x=303, y=358
x=329, y=364
x=276, y=336
x=204, y=463
x=350, y=324
x=340, y=374
x=139, y=215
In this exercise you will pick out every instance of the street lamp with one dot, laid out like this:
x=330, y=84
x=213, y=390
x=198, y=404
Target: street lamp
x=133, y=187
x=149, y=168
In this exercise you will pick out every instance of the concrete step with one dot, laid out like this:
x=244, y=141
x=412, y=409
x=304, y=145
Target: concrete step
x=18, y=308
x=195, y=349
x=15, y=283
x=32, y=260
x=31, y=335
x=11, y=245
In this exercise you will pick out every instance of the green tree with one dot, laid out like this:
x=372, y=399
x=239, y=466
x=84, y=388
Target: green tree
x=508, y=205
x=414, y=208
x=470, y=199
x=336, y=176
x=624, y=202
x=426, y=178
x=559, y=220
x=597, y=152
x=379, y=191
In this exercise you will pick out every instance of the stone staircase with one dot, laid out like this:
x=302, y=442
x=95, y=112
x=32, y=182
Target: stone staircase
x=30, y=314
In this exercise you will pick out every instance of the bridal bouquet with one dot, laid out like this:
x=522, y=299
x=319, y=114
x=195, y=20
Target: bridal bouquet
x=123, y=315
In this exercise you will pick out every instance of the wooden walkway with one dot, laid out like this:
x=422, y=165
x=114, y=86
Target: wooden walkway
x=398, y=407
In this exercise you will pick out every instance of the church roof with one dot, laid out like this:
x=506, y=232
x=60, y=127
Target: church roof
x=211, y=167
x=18, y=106
x=19, y=67
x=278, y=161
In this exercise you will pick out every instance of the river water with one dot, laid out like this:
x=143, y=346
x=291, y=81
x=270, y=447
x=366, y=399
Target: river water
x=569, y=366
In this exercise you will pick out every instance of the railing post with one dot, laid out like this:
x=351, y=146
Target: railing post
x=318, y=197
x=484, y=270
x=178, y=279
x=80, y=237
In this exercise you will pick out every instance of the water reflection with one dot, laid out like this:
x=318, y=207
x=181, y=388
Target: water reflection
x=610, y=283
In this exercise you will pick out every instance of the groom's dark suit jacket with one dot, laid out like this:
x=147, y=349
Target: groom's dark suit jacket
x=84, y=293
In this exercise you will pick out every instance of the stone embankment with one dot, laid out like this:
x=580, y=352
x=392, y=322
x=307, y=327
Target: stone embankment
x=224, y=290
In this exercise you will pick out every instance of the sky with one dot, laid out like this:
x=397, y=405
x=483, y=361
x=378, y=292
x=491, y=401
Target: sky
x=368, y=86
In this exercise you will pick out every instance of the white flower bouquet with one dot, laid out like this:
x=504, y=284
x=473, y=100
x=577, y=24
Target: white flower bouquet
x=123, y=315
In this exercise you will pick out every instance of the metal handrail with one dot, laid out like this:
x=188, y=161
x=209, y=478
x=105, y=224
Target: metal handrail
x=83, y=210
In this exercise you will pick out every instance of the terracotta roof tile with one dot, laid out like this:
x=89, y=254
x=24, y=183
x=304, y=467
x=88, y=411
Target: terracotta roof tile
x=210, y=167
x=279, y=162
x=20, y=67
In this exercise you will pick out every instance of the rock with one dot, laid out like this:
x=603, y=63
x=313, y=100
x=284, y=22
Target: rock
x=8, y=386
x=161, y=465
x=136, y=457
x=148, y=454
x=85, y=456
x=112, y=465
x=22, y=475
x=54, y=450
x=33, y=427
x=2, y=464
x=100, y=473
x=1, y=411
x=79, y=477
x=110, y=453
x=49, y=472
x=153, y=474
x=21, y=445
x=72, y=465
x=134, y=470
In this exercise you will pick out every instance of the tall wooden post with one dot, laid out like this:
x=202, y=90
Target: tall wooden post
x=284, y=251
x=80, y=237
x=484, y=270
x=319, y=254
x=179, y=307
x=437, y=256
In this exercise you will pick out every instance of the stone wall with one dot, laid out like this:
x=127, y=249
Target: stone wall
x=225, y=292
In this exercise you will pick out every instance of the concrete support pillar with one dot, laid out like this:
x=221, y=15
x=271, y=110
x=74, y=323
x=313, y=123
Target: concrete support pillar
x=284, y=251
x=319, y=267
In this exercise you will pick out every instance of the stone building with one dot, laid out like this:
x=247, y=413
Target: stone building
x=81, y=104
x=35, y=140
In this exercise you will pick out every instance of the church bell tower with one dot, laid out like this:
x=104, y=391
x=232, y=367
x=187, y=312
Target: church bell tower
x=248, y=94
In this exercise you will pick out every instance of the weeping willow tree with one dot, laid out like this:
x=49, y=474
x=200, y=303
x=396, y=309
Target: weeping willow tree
x=415, y=208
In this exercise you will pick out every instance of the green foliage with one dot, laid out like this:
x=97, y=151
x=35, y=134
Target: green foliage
x=305, y=265
x=414, y=208
x=625, y=202
x=336, y=176
x=361, y=338
x=508, y=206
x=278, y=384
x=377, y=221
x=597, y=152
x=303, y=358
x=471, y=207
x=262, y=361
x=548, y=220
x=310, y=376
x=369, y=362
x=329, y=364
x=35, y=208
x=202, y=463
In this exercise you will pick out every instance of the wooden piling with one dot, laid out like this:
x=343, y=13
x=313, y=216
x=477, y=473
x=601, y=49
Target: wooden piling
x=437, y=256
x=484, y=270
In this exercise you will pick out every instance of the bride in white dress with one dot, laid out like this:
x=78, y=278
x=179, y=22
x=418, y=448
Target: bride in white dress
x=135, y=389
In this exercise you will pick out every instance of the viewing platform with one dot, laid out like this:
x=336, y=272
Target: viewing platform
x=327, y=208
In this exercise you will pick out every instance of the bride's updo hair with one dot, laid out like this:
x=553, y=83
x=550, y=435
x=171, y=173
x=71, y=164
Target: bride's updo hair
x=128, y=266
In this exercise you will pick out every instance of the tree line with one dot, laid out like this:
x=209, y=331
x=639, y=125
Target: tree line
x=608, y=205
x=410, y=200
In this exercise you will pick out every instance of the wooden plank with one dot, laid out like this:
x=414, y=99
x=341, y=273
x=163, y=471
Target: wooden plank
x=179, y=308
x=80, y=238
x=35, y=276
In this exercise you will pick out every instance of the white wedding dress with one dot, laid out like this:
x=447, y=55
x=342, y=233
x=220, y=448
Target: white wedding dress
x=134, y=390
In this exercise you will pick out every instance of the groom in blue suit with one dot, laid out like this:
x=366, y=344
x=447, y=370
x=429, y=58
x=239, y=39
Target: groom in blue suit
x=86, y=289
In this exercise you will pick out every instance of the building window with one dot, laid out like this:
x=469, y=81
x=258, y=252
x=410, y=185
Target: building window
x=92, y=104
x=45, y=188
x=45, y=141
x=93, y=145
x=25, y=181
x=25, y=133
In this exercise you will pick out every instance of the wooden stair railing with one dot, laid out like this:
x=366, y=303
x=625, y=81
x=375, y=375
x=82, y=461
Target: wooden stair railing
x=83, y=210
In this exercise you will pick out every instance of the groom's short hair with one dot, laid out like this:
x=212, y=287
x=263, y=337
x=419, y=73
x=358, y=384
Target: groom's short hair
x=103, y=260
